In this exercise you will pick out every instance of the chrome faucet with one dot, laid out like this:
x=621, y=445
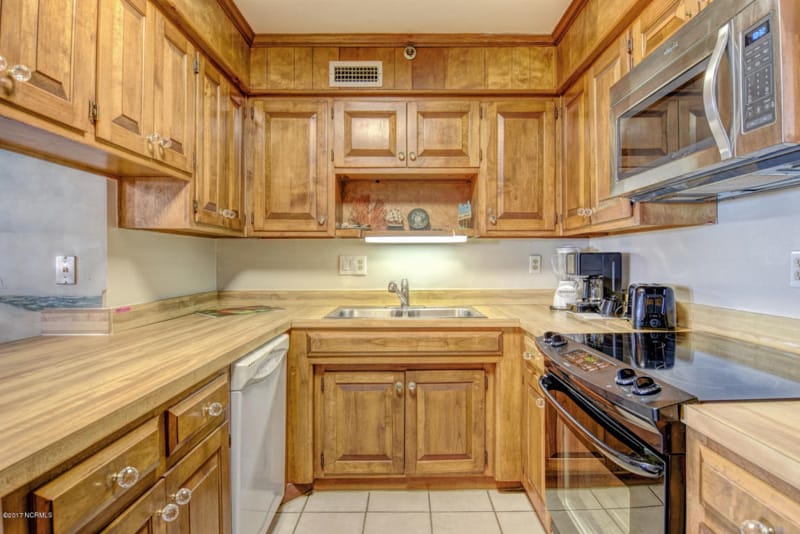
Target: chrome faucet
x=402, y=292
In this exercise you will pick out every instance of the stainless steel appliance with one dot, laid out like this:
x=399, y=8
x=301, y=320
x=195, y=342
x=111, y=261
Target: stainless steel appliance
x=615, y=448
x=712, y=112
x=651, y=306
x=598, y=276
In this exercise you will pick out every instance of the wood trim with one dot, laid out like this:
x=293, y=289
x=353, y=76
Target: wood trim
x=379, y=40
x=133, y=316
x=238, y=20
x=567, y=19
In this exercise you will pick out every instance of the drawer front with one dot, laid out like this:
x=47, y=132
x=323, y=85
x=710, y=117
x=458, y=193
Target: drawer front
x=90, y=488
x=394, y=343
x=533, y=356
x=199, y=412
x=142, y=516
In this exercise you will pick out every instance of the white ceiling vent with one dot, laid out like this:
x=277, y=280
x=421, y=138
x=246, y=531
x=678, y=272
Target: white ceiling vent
x=355, y=73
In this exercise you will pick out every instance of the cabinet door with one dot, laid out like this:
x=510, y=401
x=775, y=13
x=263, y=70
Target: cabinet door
x=174, y=95
x=604, y=72
x=125, y=81
x=445, y=422
x=657, y=23
x=206, y=472
x=362, y=423
x=443, y=134
x=576, y=188
x=55, y=40
x=289, y=168
x=369, y=134
x=533, y=456
x=521, y=168
x=218, y=176
x=141, y=517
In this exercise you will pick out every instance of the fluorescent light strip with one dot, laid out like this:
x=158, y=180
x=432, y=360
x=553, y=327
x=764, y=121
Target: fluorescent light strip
x=416, y=239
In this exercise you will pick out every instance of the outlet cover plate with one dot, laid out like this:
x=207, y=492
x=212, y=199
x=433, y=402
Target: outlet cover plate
x=65, y=270
x=352, y=265
x=535, y=264
x=794, y=270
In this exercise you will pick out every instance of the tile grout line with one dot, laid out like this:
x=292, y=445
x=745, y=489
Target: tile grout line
x=430, y=511
x=366, y=511
x=496, y=519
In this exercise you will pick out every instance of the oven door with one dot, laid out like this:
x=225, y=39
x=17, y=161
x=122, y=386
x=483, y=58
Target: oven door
x=599, y=477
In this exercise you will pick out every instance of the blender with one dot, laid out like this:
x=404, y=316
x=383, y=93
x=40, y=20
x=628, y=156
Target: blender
x=567, y=290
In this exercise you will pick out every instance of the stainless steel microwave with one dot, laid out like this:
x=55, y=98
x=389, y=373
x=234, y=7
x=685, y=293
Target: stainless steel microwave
x=714, y=111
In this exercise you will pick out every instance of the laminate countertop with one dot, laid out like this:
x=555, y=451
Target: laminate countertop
x=61, y=394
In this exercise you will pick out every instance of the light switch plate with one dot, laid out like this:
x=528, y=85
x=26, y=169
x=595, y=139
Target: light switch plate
x=352, y=265
x=794, y=270
x=65, y=270
x=534, y=264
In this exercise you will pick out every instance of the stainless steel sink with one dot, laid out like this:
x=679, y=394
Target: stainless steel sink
x=416, y=312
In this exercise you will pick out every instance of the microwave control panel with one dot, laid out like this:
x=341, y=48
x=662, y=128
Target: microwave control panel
x=758, y=76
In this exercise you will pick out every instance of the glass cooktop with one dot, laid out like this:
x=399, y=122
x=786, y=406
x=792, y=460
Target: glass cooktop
x=709, y=367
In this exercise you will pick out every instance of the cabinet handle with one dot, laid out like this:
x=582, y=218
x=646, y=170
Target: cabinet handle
x=169, y=513
x=127, y=477
x=214, y=409
x=412, y=156
x=401, y=156
x=527, y=356
x=540, y=403
x=165, y=142
x=398, y=386
x=322, y=219
x=412, y=387
x=492, y=216
x=182, y=497
x=753, y=526
x=19, y=73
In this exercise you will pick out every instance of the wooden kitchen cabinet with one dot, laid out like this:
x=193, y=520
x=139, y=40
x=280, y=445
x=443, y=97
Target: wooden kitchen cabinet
x=399, y=134
x=413, y=423
x=533, y=430
x=56, y=41
x=658, y=21
x=576, y=187
x=724, y=490
x=520, y=175
x=142, y=516
x=219, y=175
x=288, y=169
x=146, y=83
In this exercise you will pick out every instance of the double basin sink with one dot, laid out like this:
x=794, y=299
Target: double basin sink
x=411, y=312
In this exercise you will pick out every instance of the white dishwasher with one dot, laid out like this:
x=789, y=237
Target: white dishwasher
x=258, y=436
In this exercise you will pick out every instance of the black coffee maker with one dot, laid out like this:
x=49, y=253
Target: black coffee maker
x=599, y=279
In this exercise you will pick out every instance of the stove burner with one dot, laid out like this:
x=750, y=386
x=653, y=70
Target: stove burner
x=644, y=385
x=625, y=377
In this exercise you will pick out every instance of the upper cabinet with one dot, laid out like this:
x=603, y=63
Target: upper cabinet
x=658, y=21
x=520, y=170
x=146, y=88
x=219, y=176
x=49, y=49
x=398, y=134
x=287, y=168
x=576, y=193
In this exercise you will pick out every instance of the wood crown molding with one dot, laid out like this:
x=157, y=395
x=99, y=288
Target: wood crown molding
x=390, y=40
x=567, y=19
x=238, y=20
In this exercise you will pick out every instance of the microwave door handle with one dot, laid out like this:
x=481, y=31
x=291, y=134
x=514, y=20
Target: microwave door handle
x=632, y=464
x=710, y=103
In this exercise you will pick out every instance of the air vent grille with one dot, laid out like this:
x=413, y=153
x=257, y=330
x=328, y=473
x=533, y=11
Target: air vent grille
x=355, y=73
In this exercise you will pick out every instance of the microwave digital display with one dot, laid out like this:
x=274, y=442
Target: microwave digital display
x=756, y=34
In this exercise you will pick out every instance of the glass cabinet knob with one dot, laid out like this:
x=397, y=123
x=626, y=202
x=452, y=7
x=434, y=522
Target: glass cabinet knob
x=182, y=497
x=214, y=409
x=127, y=477
x=21, y=73
x=169, y=513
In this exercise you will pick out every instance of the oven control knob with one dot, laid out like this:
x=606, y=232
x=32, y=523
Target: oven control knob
x=558, y=340
x=548, y=336
x=626, y=376
x=644, y=385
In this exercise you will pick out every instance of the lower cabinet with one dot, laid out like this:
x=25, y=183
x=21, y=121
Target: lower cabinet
x=415, y=422
x=533, y=430
x=726, y=493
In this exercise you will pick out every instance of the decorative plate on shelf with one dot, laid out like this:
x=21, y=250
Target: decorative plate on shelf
x=418, y=219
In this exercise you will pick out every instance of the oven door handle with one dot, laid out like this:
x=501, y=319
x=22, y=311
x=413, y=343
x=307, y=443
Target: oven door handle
x=633, y=464
x=710, y=102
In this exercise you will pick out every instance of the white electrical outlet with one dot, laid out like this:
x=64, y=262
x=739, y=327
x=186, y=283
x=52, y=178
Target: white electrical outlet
x=65, y=270
x=534, y=264
x=794, y=270
x=352, y=265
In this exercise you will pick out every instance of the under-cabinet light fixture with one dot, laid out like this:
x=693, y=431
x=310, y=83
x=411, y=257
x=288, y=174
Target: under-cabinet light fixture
x=416, y=239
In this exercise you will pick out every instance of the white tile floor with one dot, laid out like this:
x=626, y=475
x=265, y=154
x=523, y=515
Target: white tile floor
x=408, y=512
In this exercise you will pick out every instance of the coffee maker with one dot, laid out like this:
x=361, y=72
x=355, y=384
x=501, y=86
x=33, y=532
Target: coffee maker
x=599, y=279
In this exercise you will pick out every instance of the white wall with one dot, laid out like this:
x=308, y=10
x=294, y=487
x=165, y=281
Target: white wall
x=742, y=262
x=145, y=266
x=252, y=264
x=47, y=210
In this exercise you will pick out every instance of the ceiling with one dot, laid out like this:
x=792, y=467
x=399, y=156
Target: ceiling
x=409, y=16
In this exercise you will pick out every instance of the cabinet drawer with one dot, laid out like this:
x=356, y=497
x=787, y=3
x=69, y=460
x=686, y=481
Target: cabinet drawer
x=394, y=343
x=197, y=413
x=91, y=488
